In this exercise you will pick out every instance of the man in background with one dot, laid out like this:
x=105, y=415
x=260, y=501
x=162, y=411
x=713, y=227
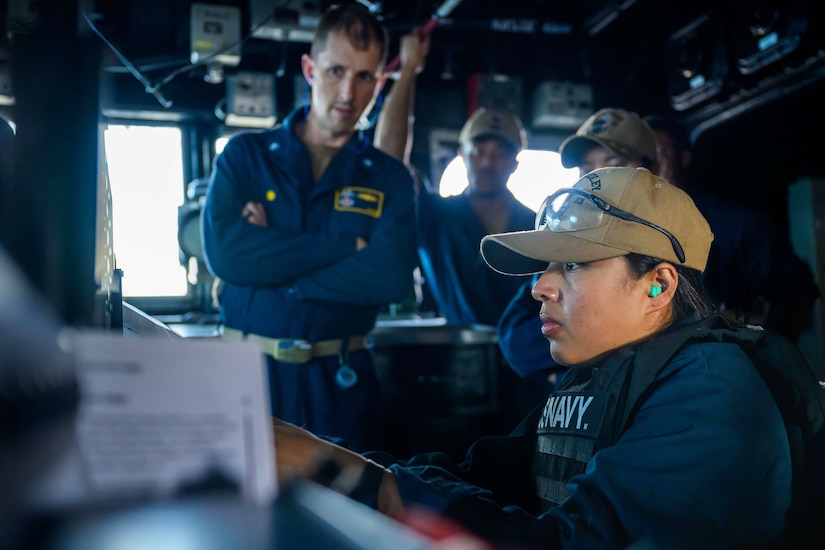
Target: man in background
x=450, y=228
x=312, y=231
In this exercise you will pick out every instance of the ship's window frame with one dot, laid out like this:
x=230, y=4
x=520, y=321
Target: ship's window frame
x=538, y=175
x=176, y=174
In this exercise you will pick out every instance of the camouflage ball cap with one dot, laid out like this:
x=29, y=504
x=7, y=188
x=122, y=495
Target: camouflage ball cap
x=635, y=191
x=617, y=130
x=494, y=123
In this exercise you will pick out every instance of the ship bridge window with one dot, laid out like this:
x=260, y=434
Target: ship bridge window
x=145, y=166
x=220, y=143
x=538, y=175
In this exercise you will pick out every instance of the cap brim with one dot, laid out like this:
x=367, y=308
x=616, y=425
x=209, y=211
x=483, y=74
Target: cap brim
x=501, y=137
x=528, y=252
x=573, y=148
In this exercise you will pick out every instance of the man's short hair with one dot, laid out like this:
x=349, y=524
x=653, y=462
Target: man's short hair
x=356, y=22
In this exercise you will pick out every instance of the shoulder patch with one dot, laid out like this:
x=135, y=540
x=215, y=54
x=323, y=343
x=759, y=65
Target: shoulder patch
x=361, y=200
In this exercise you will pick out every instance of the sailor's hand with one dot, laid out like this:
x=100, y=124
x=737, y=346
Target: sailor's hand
x=254, y=213
x=297, y=452
x=414, y=50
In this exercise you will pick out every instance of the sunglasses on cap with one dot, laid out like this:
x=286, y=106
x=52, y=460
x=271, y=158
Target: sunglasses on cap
x=574, y=209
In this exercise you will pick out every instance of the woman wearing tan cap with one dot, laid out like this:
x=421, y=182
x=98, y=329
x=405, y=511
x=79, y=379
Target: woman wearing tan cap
x=663, y=435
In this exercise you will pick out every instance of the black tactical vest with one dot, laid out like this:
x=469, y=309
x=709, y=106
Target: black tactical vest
x=578, y=415
x=592, y=407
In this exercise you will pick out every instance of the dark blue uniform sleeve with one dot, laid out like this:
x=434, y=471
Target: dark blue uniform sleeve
x=705, y=462
x=382, y=271
x=428, y=214
x=250, y=255
x=751, y=255
x=769, y=264
x=492, y=492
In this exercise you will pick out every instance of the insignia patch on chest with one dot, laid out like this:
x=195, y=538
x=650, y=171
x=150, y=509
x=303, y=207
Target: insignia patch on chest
x=361, y=200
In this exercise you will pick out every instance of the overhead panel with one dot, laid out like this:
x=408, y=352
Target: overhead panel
x=559, y=104
x=498, y=91
x=766, y=31
x=251, y=100
x=293, y=22
x=696, y=62
x=216, y=34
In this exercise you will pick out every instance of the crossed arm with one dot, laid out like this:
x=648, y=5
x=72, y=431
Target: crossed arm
x=243, y=248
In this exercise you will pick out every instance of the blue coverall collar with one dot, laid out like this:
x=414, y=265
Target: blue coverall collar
x=358, y=143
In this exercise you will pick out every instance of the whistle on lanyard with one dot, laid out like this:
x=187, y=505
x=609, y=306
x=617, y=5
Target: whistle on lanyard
x=345, y=377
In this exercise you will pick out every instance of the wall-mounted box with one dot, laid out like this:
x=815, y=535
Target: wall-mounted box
x=558, y=104
x=216, y=34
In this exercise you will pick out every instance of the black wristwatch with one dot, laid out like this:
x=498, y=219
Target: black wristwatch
x=366, y=491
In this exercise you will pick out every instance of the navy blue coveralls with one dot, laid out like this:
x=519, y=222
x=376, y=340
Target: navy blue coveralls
x=750, y=256
x=301, y=277
x=464, y=288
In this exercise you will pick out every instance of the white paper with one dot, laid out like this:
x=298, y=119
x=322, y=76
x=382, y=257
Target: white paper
x=156, y=415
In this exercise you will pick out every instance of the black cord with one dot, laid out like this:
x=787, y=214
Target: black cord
x=165, y=80
x=126, y=63
x=20, y=26
x=154, y=89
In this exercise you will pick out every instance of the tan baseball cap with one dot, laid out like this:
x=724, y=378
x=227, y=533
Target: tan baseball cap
x=620, y=131
x=581, y=231
x=495, y=123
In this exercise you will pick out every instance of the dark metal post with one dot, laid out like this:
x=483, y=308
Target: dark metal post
x=53, y=190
